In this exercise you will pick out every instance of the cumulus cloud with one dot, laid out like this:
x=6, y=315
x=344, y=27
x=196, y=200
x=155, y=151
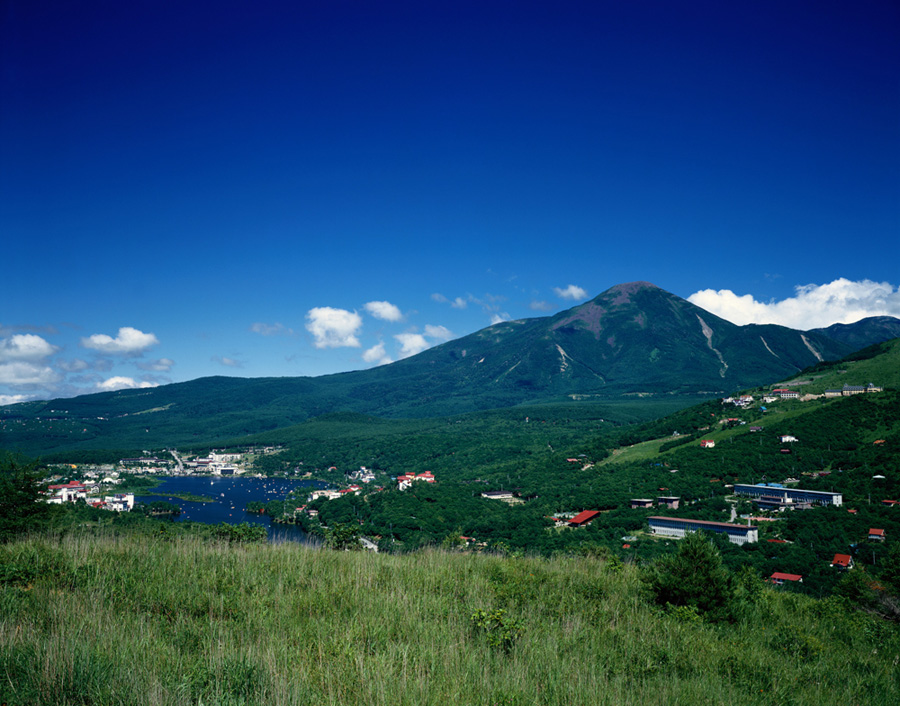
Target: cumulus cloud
x=572, y=292
x=163, y=365
x=377, y=355
x=441, y=333
x=25, y=346
x=333, y=328
x=264, y=329
x=14, y=399
x=540, y=306
x=411, y=343
x=119, y=382
x=499, y=318
x=20, y=372
x=384, y=311
x=812, y=306
x=129, y=341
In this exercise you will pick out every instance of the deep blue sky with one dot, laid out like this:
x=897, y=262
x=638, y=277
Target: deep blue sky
x=212, y=172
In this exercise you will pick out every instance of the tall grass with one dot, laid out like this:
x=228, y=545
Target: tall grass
x=132, y=620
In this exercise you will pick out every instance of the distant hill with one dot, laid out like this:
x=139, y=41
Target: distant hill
x=633, y=340
x=865, y=332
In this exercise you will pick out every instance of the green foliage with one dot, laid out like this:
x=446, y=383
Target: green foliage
x=342, y=537
x=497, y=627
x=693, y=577
x=242, y=533
x=20, y=493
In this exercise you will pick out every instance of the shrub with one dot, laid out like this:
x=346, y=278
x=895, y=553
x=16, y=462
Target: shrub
x=501, y=631
x=693, y=577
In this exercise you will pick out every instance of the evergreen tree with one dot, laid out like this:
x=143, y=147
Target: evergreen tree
x=692, y=577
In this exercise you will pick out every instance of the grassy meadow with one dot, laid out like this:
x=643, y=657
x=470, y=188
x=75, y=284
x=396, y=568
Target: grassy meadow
x=131, y=620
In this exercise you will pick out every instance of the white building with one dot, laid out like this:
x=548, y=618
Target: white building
x=679, y=527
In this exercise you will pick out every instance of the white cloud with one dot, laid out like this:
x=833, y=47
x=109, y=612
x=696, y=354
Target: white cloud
x=163, y=365
x=812, y=306
x=14, y=399
x=499, y=318
x=25, y=346
x=384, y=310
x=128, y=341
x=573, y=292
x=376, y=354
x=411, y=343
x=540, y=306
x=20, y=372
x=227, y=362
x=458, y=303
x=264, y=329
x=119, y=382
x=333, y=328
x=441, y=333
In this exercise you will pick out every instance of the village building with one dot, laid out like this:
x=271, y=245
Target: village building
x=679, y=527
x=707, y=444
x=786, y=394
x=779, y=578
x=497, y=495
x=668, y=501
x=844, y=562
x=582, y=519
x=641, y=503
x=787, y=497
x=407, y=479
x=876, y=535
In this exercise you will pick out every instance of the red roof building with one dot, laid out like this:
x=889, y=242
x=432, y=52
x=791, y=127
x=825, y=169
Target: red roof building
x=842, y=561
x=877, y=534
x=583, y=518
x=779, y=578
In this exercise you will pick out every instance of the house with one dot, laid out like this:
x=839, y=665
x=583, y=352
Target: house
x=406, y=480
x=833, y=393
x=498, y=495
x=679, y=527
x=583, y=519
x=67, y=492
x=756, y=429
x=849, y=390
x=707, y=444
x=844, y=562
x=121, y=502
x=640, y=503
x=327, y=494
x=786, y=394
x=788, y=439
x=779, y=578
x=668, y=501
x=890, y=503
x=876, y=534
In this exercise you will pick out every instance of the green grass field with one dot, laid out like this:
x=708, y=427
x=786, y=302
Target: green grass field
x=137, y=620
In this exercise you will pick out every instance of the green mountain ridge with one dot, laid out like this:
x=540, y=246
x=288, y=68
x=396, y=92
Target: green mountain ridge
x=632, y=340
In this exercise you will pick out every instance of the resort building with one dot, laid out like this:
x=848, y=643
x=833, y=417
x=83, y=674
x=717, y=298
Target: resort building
x=775, y=496
x=679, y=527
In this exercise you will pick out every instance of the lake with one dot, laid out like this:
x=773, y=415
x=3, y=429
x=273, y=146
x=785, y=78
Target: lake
x=231, y=494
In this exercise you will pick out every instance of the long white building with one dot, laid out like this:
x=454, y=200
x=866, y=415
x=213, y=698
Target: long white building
x=679, y=527
x=788, y=496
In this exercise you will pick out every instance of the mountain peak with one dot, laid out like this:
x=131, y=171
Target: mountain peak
x=623, y=293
